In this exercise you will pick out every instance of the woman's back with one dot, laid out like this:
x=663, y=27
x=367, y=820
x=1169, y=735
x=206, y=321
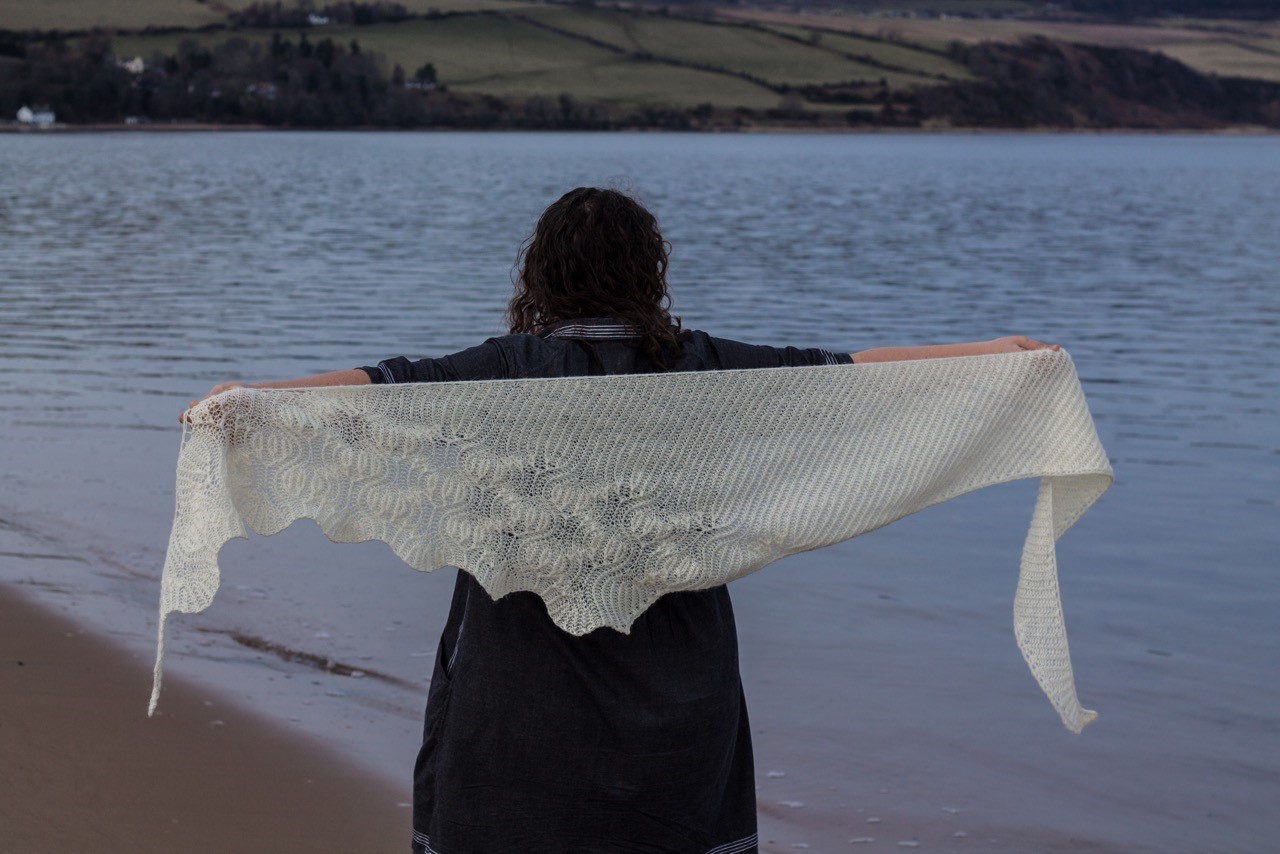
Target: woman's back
x=540, y=741
x=536, y=740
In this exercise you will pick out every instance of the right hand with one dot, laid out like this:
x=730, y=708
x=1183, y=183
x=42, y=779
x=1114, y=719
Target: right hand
x=1015, y=343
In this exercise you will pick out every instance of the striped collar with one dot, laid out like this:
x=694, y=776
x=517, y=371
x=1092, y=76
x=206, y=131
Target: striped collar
x=595, y=328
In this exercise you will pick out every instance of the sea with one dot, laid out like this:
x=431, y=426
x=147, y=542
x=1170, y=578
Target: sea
x=887, y=697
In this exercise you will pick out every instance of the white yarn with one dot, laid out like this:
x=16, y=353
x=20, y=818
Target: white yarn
x=603, y=493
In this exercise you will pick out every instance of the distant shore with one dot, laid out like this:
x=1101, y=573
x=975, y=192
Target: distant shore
x=588, y=67
x=1243, y=130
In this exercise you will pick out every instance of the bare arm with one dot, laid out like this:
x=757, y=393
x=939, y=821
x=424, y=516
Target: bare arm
x=1008, y=344
x=354, y=376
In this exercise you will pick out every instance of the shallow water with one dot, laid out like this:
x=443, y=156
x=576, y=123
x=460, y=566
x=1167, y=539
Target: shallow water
x=882, y=675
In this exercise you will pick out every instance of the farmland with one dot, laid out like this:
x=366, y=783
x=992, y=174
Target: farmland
x=1227, y=48
x=726, y=59
x=611, y=56
x=124, y=14
x=508, y=56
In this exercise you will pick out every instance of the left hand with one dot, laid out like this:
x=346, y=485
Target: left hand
x=218, y=389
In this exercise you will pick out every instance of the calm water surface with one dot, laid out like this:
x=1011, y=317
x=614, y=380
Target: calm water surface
x=882, y=674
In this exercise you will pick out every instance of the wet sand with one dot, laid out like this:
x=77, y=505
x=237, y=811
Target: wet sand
x=85, y=769
x=82, y=768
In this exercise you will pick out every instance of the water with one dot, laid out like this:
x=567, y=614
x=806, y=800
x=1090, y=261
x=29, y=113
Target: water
x=882, y=676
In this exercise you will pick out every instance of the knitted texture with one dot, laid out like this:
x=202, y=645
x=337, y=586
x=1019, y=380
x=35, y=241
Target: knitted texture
x=600, y=494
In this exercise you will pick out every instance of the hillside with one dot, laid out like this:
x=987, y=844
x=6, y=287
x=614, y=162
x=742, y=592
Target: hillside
x=517, y=63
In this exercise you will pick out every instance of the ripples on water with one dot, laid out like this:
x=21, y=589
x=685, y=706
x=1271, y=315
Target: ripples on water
x=182, y=261
x=141, y=269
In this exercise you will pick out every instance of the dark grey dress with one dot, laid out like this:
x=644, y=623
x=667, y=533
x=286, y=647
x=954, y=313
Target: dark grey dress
x=540, y=742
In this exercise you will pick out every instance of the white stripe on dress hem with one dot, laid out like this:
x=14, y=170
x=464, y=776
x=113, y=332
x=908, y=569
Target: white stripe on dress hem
x=426, y=842
x=736, y=846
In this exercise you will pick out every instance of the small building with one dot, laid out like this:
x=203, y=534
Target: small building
x=42, y=116
x=265, y=91
x=133, y=66
x=317, y=20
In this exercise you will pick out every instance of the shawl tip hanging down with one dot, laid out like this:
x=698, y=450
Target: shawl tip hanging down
x=600, y=494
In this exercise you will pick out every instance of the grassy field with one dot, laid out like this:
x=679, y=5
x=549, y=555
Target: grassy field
x=475, y=48
x=901, y=57
x=968, y=7
x=136, y=14
x=417, y=7
x=630, y=83
x=464, y=50
x=760, y=54
x=508, y=57
x=85, y=14
x=1239, y=59
x=1207, y=46
x=492, y=50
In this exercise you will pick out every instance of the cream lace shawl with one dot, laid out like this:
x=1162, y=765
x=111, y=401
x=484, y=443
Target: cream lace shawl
x=601, y=494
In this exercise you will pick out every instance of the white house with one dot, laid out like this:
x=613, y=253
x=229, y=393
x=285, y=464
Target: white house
x=317, y=20
x=37, y=116
x=265, y=91
x=133, y=66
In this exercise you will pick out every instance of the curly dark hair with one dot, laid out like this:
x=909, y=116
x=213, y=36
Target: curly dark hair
x=597, y=253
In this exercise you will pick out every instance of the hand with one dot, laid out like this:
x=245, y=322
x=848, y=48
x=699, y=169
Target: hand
x=1015, y=343
x=218, y=389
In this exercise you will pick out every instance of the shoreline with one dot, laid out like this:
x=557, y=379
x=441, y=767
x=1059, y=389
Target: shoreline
x=87, y=770
x=195, y=127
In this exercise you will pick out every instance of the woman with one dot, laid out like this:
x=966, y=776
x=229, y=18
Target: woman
x=539, y=741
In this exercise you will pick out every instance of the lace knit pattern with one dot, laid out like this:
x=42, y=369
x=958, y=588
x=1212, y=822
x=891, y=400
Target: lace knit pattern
x=600, y=494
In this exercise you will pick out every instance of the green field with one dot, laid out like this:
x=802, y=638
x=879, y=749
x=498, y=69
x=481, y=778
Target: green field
x=475, y=48
x=497, y=46
x=900, y=57
x=631, y=83
x=464, y=50
x=511, y=58
x=137, y=14
x=423, y=7
x=968, y=7
x=1209, y=46
x=420, y=7
x=746, y=50
x=1228, y=58
x=85, y=14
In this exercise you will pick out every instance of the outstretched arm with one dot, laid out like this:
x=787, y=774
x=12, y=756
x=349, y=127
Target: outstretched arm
x=354, y=376
x=1008, y=344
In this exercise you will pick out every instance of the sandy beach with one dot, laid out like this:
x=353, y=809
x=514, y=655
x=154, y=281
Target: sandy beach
x=84, y=769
